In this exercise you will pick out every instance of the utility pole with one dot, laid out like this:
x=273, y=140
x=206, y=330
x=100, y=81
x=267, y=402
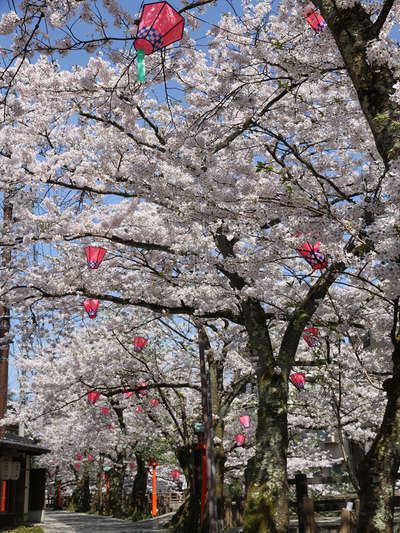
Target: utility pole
x=208, y=428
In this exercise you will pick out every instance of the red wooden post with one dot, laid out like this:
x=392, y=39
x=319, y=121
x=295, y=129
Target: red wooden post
x=107, y=484
x=59, y=494
x=3, y=496
x=154, y=491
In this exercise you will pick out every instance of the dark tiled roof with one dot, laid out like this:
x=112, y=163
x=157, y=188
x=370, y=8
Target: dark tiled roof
x=12, y=441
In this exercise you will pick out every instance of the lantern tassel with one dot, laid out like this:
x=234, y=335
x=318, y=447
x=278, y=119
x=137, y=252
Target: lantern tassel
x=141, y=69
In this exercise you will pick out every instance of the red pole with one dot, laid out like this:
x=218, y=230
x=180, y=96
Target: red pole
x=203, y=481
x=107, y=484
x=3, y=496
x=154, y=491
x=59, y=494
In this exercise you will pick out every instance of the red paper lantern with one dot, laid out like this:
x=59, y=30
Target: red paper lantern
x=139, y=343
x=90, y=458
x=91, y=307
x=159, y=26
x=143, y=392
x=313, y=256
x=105, y=411
x=94, y=256
x=314, y=19
x=139, y=409
x=78, y=456
x=175, y=474
x=298, y=379
x=128, y=394
x=240, y=439
x=93, y=396
x=154, y=402
x=77, y=466
x=245, y=421
x=310, y=336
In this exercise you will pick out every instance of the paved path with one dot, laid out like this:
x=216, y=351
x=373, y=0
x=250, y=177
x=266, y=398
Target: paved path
x=65, y=522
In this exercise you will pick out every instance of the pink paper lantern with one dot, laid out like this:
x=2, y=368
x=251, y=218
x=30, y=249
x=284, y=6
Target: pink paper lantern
x=78, y=456
x=90, y=458
x=298, y=379
x=154, y=402
x=245, y=420
x=313, y=256
x=314, y=19
x=139, y=343
x=93, y=396
x=159, y=26
x=310, y=336
x=91, y=307
x=105, y=411
x=240, y=439
x=128, y=394
x=139, y=409
x=175, y=474
x=77, y=466
x=94, y=256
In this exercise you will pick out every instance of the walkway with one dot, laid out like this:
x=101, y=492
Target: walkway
x=65, y=522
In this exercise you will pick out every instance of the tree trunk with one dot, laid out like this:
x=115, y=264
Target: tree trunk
x=5, y=311
x=378, y=470
x=138, y=498
x=267, y=505
x=220, y=459
x=81, y=494
x=353, y=31
x=114, y=503
x=188, y=515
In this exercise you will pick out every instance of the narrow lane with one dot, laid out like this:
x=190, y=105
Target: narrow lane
x=65, y=522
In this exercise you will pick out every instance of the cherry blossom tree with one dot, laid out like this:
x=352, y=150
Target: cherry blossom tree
x=203, y=201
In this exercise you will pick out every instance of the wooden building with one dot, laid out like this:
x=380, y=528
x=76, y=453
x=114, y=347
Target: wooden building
x=22, y=488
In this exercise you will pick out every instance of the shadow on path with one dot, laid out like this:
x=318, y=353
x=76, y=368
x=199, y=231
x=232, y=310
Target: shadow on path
x=64, y=522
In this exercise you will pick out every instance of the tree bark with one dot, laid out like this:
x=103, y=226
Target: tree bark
x=353, y=30
x=81, y=494
x=267, y=506
x=138, y=498
x=378, y=470
x=188, y=515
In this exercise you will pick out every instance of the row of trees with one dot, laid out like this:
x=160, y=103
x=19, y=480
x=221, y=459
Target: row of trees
x=202, y=185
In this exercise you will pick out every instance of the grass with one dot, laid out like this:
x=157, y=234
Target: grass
x=25, y=529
